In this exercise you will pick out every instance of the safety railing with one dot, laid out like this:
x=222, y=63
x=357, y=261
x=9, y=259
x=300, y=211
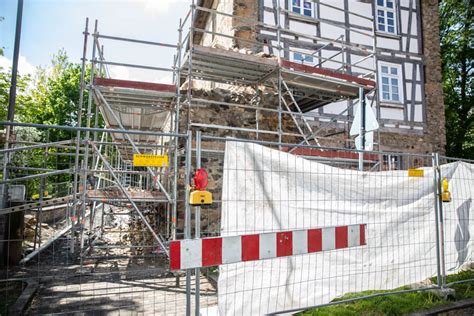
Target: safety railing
x=223, y=31
x=322, y=227
x=409, y=242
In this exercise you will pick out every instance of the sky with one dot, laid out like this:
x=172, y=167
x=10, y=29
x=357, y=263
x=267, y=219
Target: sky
x=51, y=25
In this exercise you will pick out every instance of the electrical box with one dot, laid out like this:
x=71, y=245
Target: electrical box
x=16, y=193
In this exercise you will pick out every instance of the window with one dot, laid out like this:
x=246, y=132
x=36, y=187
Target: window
x=386, y=16
x=304, y=7
x=390, y=87
x=303, y=59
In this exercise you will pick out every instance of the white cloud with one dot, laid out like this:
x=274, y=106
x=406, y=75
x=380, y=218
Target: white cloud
x=157, y=7
x=119, y=72
x=24, y=66
x=167, y=79
x=125, y=73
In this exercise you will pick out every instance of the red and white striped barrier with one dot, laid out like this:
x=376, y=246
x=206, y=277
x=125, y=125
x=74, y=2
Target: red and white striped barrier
x=206, y=252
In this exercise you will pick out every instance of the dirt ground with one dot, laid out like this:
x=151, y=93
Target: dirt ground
x=111, y=277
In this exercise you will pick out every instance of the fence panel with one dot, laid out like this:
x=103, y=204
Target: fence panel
x=319, y=228
x=266, y=190
x=458, y=221
x=89, y=250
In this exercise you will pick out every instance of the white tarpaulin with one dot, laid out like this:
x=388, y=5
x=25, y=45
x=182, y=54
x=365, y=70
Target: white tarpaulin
x=267, y=190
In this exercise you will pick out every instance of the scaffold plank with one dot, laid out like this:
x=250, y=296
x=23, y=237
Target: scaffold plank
x=135, y=84
x=329, y=73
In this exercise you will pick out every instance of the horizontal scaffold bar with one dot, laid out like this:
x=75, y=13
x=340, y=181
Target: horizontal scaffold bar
x=91, y=129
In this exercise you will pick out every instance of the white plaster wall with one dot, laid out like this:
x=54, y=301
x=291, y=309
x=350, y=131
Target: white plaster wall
x=223, y=26
x=391, y=113
x=387, y=43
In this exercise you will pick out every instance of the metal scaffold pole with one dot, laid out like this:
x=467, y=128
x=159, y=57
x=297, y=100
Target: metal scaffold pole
x=197, y=223
x=74, y=218
x=10, y=117
x=187, y=226
x=176, y=126
x=362, y=128
x=434, y=161
x=86, y=153
x=187, y=215
x=439, y=202
x=279, y=73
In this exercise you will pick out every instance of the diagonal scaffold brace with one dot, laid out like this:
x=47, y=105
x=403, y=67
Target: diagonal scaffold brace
x=130, y=140
x=128, y=196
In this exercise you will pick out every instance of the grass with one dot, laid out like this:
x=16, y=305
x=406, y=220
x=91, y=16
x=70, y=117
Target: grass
x=397, y=304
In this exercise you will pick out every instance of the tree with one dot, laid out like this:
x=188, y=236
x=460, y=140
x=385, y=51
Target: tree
x=55, y=96
x=50, y=98
x=23, y=93
x=457, y=49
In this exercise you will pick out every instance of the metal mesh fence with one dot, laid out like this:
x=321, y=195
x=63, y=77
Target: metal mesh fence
x=110, y=261
x=91, y=242
x=455, y=177
x=265, y=190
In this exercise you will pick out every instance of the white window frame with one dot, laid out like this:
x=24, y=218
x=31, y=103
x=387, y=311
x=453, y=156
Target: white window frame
x=382, y=11
x=301, y=8
x=385, y=87
x=301, y=61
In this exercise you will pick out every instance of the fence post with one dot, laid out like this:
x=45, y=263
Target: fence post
x=441, y=220
x=187, y=215
x=437, y=221
x=441, y=279
x=197, y=228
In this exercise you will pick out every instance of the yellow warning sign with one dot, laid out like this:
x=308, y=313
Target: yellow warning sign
x=143, y=160
x=416, y=172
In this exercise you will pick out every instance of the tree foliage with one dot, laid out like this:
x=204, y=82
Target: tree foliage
x=55, y=96
x=24, y=97
x=457, y=49
x=51, y=97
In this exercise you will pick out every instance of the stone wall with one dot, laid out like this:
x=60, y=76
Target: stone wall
x=232, y=116
x=435, y=118
x=221, y=24
x=431, y=139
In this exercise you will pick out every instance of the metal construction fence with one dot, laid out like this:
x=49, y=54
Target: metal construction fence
x=410, y=241
x=291, y=227
x=88, y=232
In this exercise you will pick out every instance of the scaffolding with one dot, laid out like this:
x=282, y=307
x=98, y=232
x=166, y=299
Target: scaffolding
x=156, y=107
x=121, y=118
x=300, y=88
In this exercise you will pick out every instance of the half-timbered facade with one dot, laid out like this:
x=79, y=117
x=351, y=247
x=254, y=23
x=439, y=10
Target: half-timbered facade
x=393, y=42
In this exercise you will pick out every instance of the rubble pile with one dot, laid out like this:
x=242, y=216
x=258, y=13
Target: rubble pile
x=140, y=235
x=47, y=231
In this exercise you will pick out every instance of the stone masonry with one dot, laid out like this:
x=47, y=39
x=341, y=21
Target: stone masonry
x=431, y=139
x=433, y=136
x=436, y=130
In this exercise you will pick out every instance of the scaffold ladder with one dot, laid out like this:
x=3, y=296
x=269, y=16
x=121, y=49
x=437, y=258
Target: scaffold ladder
x=301, y=122
x=127, y=178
